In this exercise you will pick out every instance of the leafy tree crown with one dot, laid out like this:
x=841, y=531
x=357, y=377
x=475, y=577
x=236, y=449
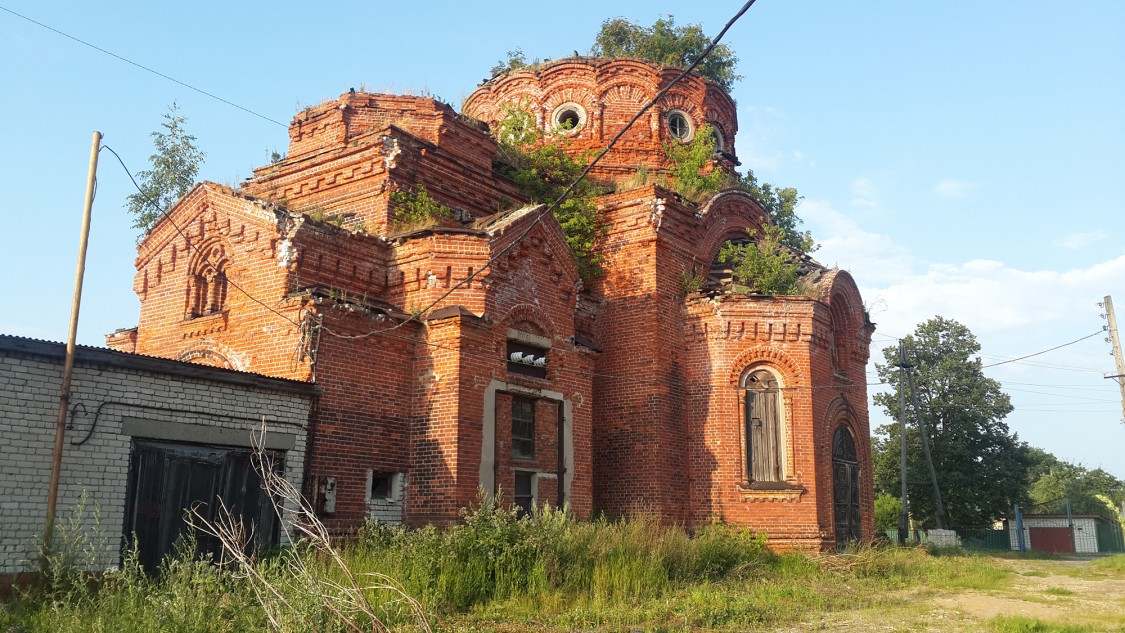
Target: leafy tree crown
x=981, y=465
x=175, y=165
x=666, y=43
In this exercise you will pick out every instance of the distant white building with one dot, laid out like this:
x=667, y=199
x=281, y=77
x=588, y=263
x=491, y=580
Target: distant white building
x=1052, y=533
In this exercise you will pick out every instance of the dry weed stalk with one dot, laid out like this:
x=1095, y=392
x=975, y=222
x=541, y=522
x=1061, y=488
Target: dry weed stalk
x=282, y=597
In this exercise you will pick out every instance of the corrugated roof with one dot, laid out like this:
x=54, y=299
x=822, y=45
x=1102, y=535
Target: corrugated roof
x=156, y=364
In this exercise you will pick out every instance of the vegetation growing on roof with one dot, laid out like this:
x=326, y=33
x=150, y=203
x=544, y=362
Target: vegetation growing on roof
x=693, y=176
x=662, y=43
x=692, y=172
x=416, y=209
x=764, y=265
x=516, y=60
x=175, y=163
x=541, y=167
x=668, y=44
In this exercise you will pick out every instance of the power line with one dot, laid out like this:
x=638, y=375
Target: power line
x=187, y=240
x=585, y=172
x=1059, y=395
x=1083, y=387
x=144, y=68
x=1012, y=360
x=633, y=379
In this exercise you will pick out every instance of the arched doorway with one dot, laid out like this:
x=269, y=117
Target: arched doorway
x=845, y=487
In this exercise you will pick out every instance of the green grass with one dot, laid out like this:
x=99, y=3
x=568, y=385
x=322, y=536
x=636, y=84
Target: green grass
x=495, y=571
x=1058, y=591
x=1019, y=624
x=1114, y=565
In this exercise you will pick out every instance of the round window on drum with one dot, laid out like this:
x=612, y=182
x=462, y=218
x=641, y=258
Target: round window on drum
x=679, y=125
x=569, y=117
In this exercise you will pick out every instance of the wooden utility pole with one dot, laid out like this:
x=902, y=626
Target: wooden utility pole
x=68, y=363
x=1117, y=355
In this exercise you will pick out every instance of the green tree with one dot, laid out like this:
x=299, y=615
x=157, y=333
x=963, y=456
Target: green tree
x=691, y=179
x=666, y=43
x=175, y=165
x=764, y=265
x=982, y=468
x=416, y=209
x=1064, y=480
x=516, y=60
x=887, y=509
x=542, y=169
x=781, y=205
x=690, y=171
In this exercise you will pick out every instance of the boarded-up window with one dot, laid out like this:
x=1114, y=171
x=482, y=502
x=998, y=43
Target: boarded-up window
x=762, y=426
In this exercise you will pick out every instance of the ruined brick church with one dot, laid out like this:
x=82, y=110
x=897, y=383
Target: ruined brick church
x=631, y=391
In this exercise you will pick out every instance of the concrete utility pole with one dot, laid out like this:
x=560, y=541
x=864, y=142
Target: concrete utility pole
x=68, y=364
x=939, y=509
x=1117, y=355
x=904, y=516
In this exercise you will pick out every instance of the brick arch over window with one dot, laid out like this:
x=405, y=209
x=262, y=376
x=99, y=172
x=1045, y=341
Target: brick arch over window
x=207, y=279
x=788, y=369
x=840, y=409
x=726, y=215
x=786, y=373
x=530, y=318
x=212, y=354
x=850, y=327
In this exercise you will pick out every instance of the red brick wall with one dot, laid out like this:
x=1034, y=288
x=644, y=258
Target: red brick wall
x=654, y=417
x=346, y=156
x=668, y=423
x=610, y=92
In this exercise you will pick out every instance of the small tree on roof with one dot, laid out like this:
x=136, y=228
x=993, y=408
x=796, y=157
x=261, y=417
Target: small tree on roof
x=175, y=165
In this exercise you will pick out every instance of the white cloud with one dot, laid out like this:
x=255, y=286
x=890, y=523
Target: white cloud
x=865, y=195
x=1081, y=240
x=987, y=295
x=845, y=245
x=1013, y=312
x=953, y=188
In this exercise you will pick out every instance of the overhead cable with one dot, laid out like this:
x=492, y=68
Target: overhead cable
x=585, y=172
x=145, y=68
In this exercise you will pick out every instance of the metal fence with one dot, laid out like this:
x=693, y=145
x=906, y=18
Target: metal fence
x=1104, y=538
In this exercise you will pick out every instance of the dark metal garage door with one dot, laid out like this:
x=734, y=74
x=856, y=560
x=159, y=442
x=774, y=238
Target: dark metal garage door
x=168, y=480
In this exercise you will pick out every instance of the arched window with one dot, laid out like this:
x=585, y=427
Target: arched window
x=717, y=135
x=845, y=487
x=207, y=286
x=837, y=344
x=761, y=427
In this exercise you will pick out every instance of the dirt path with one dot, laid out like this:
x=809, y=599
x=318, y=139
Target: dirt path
x=1057, y=593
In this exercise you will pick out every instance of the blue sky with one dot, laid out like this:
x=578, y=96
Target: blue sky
x=961, y=158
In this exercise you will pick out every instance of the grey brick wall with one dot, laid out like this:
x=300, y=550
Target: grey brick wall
x=97, y=470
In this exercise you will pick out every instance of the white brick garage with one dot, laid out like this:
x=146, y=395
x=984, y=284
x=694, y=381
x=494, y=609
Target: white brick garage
x=120, y=402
